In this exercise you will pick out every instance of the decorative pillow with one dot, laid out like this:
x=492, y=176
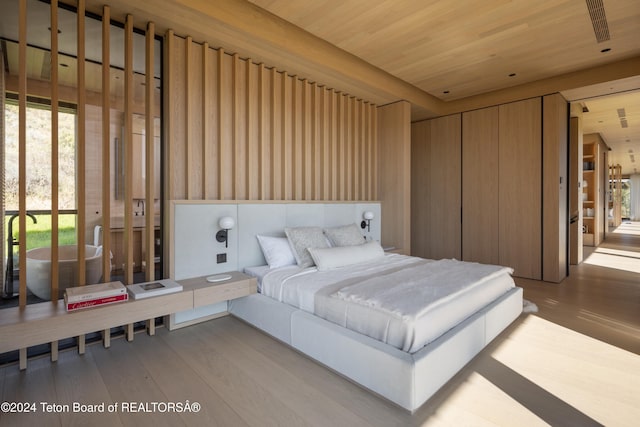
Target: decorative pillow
x=302, y=238
x=341, y=256
x=347, y=235
x=276, y=251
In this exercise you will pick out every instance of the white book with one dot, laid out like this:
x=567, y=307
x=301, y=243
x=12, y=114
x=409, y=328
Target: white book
x=153, y=289
x=92, y=292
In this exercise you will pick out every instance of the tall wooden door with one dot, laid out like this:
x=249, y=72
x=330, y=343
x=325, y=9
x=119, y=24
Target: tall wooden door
x=480, y=133
x=520, y=188
x=435, y=188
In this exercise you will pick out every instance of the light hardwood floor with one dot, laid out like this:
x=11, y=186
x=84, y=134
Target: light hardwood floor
x=575, y=362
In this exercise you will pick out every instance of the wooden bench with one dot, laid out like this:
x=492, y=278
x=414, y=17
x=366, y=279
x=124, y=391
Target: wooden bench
x=49, y=322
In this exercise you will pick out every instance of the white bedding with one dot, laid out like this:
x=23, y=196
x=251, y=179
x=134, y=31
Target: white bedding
x=367, y=297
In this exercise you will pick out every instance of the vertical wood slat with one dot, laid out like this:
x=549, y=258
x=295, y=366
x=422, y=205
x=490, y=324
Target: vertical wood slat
x=262, y=181
x=169, y=118
x=361, y=151
x=322, y=146
x=304, y=148
x=375, y=162
x=249, y=171
x=295, y=140
x=206, y=127
x=106, y=155
x=22, y=169
x=234, y=127
x=333, y=138
x=342, y=155
x=312, y=143
x=285, y=147
x=106, y=142
x=272, y=129
x=54, y=152
x=355, y=148
x=187, y=129
x=220, y=106
x=54, y=164
x=128, y=149
x=150, y=152
x=81, y=146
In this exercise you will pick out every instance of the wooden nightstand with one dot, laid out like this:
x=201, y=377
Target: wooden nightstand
x=210, y=299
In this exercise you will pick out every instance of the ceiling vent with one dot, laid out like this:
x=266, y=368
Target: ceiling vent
x=599, y=20
x=622, y=114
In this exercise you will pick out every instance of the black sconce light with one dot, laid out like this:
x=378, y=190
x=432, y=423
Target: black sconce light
x=226, y=223
x=366, y=222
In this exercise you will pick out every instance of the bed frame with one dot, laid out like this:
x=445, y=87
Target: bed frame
x=406, y=379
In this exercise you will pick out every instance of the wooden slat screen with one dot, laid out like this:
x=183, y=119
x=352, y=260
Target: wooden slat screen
x=261, y=134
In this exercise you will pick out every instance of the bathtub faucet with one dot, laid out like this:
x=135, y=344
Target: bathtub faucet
x=141, y=201
x=11, y=242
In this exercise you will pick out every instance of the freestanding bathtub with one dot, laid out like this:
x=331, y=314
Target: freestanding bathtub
x=39, y=268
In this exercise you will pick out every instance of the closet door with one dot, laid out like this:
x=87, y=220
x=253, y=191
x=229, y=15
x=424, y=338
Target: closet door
x=445, y=187
x=520, y=199
x=420, y=188
x=435, y=188
x=480, y=185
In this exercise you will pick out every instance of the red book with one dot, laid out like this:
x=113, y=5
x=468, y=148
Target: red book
x=72, y=306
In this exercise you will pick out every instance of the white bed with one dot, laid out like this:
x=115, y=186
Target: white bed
x=398, y=325
x=407, y=378
x=374, y=297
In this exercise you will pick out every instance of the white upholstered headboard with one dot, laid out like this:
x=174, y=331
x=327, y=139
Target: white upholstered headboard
x=194, y=249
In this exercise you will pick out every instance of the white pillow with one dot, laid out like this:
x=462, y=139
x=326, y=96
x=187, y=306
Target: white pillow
x=342, y=256
x=302, y=238
x=276, y=251
x=346, y=235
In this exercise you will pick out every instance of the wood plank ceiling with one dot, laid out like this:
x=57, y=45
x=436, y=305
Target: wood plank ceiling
x=441, y=56
x=456, y=49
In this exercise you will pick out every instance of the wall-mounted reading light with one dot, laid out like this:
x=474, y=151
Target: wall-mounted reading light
x=366, y=222
x=226, y=223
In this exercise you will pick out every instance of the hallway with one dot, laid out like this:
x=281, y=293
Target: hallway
x=601, y=296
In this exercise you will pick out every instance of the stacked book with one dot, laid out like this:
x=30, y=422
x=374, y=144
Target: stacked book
x=153, y=289
x=80, y=297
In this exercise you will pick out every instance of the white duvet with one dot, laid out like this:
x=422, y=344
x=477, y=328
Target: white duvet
x=403, y=301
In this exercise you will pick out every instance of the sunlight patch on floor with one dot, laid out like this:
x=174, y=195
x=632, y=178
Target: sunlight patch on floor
x=592, y=378
x=617, y=259
x=628, y=228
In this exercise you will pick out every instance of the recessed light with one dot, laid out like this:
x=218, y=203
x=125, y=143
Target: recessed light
x=607, y=49
x=512, y=75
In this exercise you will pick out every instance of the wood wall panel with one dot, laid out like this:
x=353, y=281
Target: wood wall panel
x=239, y=130
x=480, y=186
x=420, y=188
x=520, y=164
x=394, y=177
x=436, y=193
x=445, y=169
